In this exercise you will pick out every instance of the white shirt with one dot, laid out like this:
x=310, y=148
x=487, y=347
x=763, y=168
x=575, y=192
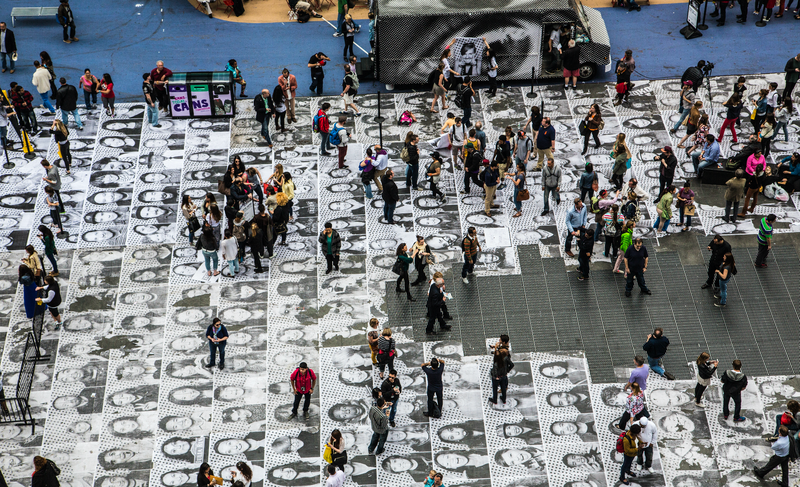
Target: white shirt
x=649, y=433
x=446, y=71
x=3, y=117
x=229, y=248
x=772, y=98
x=335, y=480
x=492, y=72
x=555, y=36
x=3, y=40
x=41, y=79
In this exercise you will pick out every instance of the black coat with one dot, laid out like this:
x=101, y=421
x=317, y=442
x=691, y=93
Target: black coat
x=390, y=192
x=207, y=242
x=695, y=75
x=256, y=242
x=261, y=109
x=45, y=477
x=67, y=98
x=571, y=58
x=718, y=251
x=238, y=193
x=435, y=296
x=281, y=215
x=11, y=43
x=336, y=242
x=672, y=162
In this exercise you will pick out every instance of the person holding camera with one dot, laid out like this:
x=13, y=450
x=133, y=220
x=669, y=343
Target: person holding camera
x=696, y=74
x=656, y=347
x=705, y=371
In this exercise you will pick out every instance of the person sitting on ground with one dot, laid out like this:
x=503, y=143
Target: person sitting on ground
x=298, y=6
x=233, y=67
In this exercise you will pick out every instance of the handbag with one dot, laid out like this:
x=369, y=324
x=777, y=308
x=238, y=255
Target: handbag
x=339, y=458
x=327, y=455
x=523, y=195
x=397, y=268
x=582, y=127
x=193, y=223
x=689, y=210
x=222, y=189
x=280, y=228
x=216, y=480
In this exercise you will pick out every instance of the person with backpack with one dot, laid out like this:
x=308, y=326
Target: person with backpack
x=457, y=135
x=588, y=182
x=321, y=124
x=386, y=352
x=628, y=446
x=734, y=381
x=491, y=178
x=522, y=148
x=302, y=380
x=781, y=447
x=576, y=220
x=470, y=247
x=46, y=473
x=401, y=265
x=340, y=137
x=349, y=90
x=725, y=272
x=472, y=167
x=464, y=100
x=434, y=174
x=433, y=371
x=367, y=171
x=410, y=155
x=664, y=209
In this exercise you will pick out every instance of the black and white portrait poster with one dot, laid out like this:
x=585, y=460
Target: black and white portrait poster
x=467, y=54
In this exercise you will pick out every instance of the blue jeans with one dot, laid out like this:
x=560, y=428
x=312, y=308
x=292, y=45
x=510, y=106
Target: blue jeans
x=388, y=211
x=3, y=55
x=653, y=363
x=233, y=266
x=339, y=22
x=88, y=95
x=210, y=257
x=778, y=127
x=627, y=462
x=658, y=220
x=468, y=267
x=368, y=190
x=325, y=144
x=517, y=202
x=699, y=166
x=46, y=101
x=684, y=113
x=723, y=290
x=265, y=129
x=467, y=114
x=213, y=347
x=378, y=439
x=152, y=114
x=75, y=115
x=394, y=409
x=316, y=84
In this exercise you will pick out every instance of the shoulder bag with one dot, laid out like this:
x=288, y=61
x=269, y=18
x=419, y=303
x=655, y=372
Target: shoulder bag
x=397, y=268
x=523, y=195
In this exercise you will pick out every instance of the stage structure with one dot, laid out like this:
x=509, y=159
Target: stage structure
x=202, y=94
x=410, y=35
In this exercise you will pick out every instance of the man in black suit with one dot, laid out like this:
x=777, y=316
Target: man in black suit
x=264, y=112
x=67, y=101
x=8, y=46
x=436, y=299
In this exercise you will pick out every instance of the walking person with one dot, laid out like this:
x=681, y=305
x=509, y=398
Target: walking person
x=705, y=371
x=52, y=298
x=349, y=91
x=265, y=223
x=586, y=249
x=379, y=420
x=372, y=339
x=664, y=209
x=340, y=137
x=217, y=336
x=491, y=70
x=420, y=252
x=404, y=261
x=412, y=164
x=635, y=407
x=491, y=178
x=621, y=155
x=666, y=169
x=331, y=244
x=718, y=247
x=545, y=141
x=67, y=21
x=734, y=106
x=209, y=245
x=265, y=111
x=470, y=247
x=466, y=93
x=53, y=178
x=303, y=381
x=630, y=451
x=725, y=272
x=551, y=184
x=367, y=172
x=324, y=126
x=107, y=96
x=688, y=96
x=656, y=347
x=55, y=209
x=390, y=391
x=434, y=175
x=685, y=205
x=23, y=106
x=436, y=306
x=594, y=121
x=625, y=241
x=433, y=371
x=288, y=84
x=390, y=196
x=647, y=438
x=436, y=82
x=783, y=114
x=41, y=80
x=636, y=260
x=733, y=194
x=60, y=133
x=49, y=241
x=765, y=239
x=519, y=188
x=316, y=63
x=501, y=366
x=386, y=351
x=588, y=182
x=67, y=102
x=781, y=457
x=734, y=381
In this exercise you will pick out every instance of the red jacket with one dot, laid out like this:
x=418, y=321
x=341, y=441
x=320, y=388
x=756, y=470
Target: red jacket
x=164, y=74
x=302, y=382
x=290, y=84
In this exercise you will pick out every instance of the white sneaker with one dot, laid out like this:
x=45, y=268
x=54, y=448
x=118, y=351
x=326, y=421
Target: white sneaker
x=466, y=281
x=651, y=470
x=700, y=404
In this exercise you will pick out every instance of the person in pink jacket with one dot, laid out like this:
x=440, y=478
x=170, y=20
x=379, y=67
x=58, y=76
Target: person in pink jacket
x=756, y=165
x=288, y=84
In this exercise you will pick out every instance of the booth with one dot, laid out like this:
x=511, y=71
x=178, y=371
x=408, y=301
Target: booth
x=202, y=94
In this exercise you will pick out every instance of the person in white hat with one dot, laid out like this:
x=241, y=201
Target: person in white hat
x=647, y=438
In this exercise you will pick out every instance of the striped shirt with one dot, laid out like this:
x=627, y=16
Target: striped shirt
x=764, y=231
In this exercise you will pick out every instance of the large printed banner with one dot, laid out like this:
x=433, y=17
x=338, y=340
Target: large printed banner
x=467, y=55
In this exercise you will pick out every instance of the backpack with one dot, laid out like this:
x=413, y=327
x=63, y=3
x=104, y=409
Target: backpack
x=630, y=211
x=239, y=233
x=620, y=442
x=460, y=96
x=303, y=16
x=405, y=119
x=355, y=84
x=404, y=155
x=333, y=137
x=595, y=206
x=315, y=124
x=55, y=468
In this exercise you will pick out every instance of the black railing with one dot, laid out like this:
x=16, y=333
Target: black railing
x=37, y=326
x=16, y=409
